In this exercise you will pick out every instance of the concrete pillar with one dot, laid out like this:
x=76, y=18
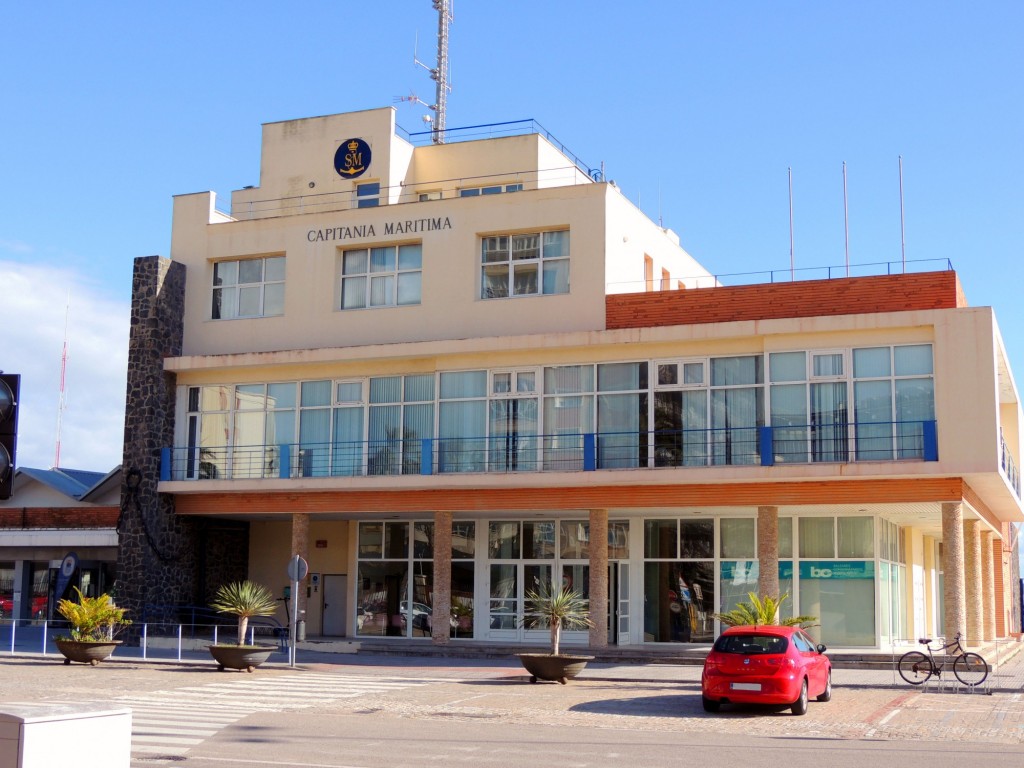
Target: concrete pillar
x=599, y=578
x=972, y=580
x=954, y=582
x=768, y=552
x=300, y=547
x=440, y=627
x=988, y=587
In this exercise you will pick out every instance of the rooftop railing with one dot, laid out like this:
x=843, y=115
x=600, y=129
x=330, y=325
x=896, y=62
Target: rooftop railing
x=573, y=452
x=868, y=269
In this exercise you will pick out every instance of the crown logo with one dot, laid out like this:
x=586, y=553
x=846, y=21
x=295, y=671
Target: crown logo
x=353, y=145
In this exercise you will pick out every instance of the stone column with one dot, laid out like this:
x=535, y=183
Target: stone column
x=440, y=631
x=953, y=580
x=300, y=547
x=157, y=551
x=768, y=551
x=988, y=587
x=598, y=578
x=972, y=580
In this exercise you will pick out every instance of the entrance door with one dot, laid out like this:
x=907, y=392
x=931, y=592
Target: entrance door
x=509, y=585
x=618, y=603
x=335, y=597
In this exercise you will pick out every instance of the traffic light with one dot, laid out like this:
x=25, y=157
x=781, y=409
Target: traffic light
x=9, y=385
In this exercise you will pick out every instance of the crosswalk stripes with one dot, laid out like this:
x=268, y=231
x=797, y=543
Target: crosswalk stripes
x=172, y=722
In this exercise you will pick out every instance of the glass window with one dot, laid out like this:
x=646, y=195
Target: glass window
x=574, y=543
x=871, y=363
x=787, y=366
x=524, y=264
x=368, y=194
x=383, y=276
x=785, y=537
x=463, y=540
x=817, y=537
x=538, y=540
x=661, y=538
x=503, y=540
x=371, y=539
x=913, y=360
x=697, y=538
x=618, y=540
x=738, y=537
x=856, y=536
x=246, y=288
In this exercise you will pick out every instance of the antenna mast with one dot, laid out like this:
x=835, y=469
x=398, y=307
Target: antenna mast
x=440, y=73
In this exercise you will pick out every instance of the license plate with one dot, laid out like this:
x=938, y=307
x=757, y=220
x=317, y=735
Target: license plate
x=746, y=686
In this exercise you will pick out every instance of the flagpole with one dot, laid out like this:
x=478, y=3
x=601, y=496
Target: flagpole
x=792, y=269
x=903, y=230
x=846, y=220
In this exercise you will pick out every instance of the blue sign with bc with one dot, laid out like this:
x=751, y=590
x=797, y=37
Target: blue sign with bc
x=352, y=158
x=837, y=569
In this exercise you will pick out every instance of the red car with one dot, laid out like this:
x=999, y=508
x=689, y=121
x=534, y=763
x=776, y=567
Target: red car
x=765, y=665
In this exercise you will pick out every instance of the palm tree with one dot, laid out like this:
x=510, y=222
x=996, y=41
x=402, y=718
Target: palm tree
x=244, y=599
x=761, y=612
x=557, y=609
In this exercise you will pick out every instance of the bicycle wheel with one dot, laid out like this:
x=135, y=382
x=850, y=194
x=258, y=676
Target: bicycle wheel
x=915, y=667
x=970, y=669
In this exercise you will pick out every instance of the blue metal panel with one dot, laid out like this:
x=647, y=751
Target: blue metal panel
x=589, y=452
x=764, y=436
x=427, y=456
x=285, y=468
x=931, y=441
x=165, y=464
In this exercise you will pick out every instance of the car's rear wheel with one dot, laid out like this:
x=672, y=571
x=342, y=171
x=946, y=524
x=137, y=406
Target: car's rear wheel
x=710, y=705
x=800, y=705
x=826, y=695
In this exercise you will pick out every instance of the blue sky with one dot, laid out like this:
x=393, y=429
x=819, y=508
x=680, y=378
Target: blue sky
x=696, y=109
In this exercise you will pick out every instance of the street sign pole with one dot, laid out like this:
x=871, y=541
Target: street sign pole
x=297, y=570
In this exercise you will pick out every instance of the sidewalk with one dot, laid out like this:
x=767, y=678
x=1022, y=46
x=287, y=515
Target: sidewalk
x=866, y=670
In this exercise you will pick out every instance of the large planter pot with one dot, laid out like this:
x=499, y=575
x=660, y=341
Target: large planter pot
x=86, y=651
x=547, y=666
x=246, y=657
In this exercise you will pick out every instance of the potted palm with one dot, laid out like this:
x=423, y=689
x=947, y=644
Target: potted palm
x=762, y=611
x=94, y=621
x=555, y=609
x=244, y=599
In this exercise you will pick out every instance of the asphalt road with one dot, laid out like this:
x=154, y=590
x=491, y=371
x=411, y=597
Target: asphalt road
x=387, y=712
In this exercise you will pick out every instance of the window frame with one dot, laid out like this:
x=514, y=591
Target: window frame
x=218, y=310
x=395, y=272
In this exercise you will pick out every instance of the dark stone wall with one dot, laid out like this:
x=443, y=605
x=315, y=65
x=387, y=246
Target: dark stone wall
x=157, y=560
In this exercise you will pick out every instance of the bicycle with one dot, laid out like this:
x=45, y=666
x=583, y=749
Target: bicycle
x=916, y=668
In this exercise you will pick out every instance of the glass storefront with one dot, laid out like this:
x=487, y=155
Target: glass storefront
x=846, y=571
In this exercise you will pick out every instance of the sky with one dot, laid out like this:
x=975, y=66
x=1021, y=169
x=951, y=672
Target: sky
x=697, y=110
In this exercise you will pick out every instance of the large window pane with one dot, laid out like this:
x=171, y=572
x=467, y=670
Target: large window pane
x=856, y=537
x=738, y=537
x=873, y=362
x=788, y=366
x=873, y=412
x=679, y=600
x=661, y=538
x=697, y=538
x=817, y=537
x=915, y=360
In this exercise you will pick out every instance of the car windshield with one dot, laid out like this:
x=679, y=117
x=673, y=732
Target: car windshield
x=751, y=644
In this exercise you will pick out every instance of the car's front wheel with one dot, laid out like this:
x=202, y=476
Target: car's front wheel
x=826, y=695
x=800, y=705
x=710, y=705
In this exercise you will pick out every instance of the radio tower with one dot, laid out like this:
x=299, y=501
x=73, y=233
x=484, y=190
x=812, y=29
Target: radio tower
x=440, y=73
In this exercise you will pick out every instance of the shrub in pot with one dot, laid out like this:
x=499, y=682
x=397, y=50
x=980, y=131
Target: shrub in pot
x=94, y=621
x=244, y=599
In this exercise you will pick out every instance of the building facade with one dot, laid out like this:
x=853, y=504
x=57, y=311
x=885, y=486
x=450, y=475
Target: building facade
x=57, y=531
x=449, y=375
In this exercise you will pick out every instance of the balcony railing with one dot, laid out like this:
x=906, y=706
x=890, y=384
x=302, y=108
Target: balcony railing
x=583, y=452
x=1009, y=466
